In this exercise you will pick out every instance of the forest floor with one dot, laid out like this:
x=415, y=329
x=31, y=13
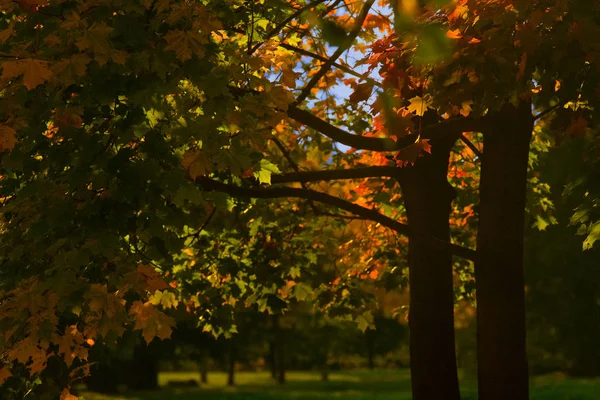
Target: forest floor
x=352, y=385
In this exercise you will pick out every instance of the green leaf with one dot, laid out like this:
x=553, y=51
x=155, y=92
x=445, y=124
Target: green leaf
x=267, y=168
x=333, y=34
x=364, y=320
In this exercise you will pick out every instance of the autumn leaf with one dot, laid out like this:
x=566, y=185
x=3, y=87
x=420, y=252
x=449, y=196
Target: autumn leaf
x=409, y=154
x=8, y=138
x=34, y=71
x=67, y=70
x=418, y=105
x=454, y=34
x=152, y=322
x=195, y=163
x=361, y=92
x=185, y=44
x=152, y=278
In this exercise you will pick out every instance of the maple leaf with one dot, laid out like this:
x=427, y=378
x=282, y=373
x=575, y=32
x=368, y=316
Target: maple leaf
x=409, y=154
x=362, y=92
x=185, y=44
x=195, y=163
x=68, y=69
x=34, y=71
x=418, y=105
x=152, y=322
x=153, y=279
x=8, y=138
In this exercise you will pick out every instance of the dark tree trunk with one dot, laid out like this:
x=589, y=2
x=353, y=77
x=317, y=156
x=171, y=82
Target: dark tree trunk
x=279, y=350
x=502, y=361
x=231, y=365
x=203, y=366
x=370, y=337
x=143, y=369
x=428, y=197
x=272, y=359
x=325, y=374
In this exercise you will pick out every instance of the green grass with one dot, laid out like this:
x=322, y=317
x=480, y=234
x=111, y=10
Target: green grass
x=352, y=385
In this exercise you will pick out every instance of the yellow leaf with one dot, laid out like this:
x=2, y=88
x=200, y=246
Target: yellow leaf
x=7, y=138
x=418, y=105
x=288, y=78
x=185, y=44
x=35, y=72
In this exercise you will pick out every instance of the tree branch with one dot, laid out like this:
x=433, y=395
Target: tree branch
x=548, y=111
x=471, y=146
x=442, y=128
x=337, y=174
x=364, y=12
x=372, y=215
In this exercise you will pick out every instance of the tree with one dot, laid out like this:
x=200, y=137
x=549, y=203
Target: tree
x=126, y=122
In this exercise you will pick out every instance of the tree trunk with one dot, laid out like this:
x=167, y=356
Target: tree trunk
x=427, y=198
x=369, y=336
x=203, y=366
x=272, y=359
x=279, y=350
x=502, y=360
x=231, y=365
x=143, y=373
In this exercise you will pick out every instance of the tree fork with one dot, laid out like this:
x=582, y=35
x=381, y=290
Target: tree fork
x=502, y=359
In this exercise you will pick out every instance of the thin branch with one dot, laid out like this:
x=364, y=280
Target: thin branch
x=471, y=146
x=337, y=174
x=294, y=166
x=319, y=57
x=287, y=192
x=548, y=111
x=364, y=12
x=283, y=23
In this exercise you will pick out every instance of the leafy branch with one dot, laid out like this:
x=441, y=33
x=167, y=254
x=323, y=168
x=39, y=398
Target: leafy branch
x=366, y=213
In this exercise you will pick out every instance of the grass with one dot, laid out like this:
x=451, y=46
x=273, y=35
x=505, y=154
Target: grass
x=352, y=385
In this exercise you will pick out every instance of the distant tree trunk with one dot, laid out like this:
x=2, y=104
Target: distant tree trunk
x=203, y=366
x=370, y=338
x=502, y=360
x=325, y=374
x=279, y=350
x=231, y=364
x=143, y=371
x=272, y=359
x=428, y=197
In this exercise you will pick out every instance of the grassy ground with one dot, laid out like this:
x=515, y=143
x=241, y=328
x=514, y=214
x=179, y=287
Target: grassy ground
x=352, y=385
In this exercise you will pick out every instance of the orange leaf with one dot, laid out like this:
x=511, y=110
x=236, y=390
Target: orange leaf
x=153, y=279
x=409, y=154
x=454, y=34
x=35, y=72
x=361, y=92
x=7, y=138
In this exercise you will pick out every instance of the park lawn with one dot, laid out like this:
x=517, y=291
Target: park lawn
x=353, y=385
